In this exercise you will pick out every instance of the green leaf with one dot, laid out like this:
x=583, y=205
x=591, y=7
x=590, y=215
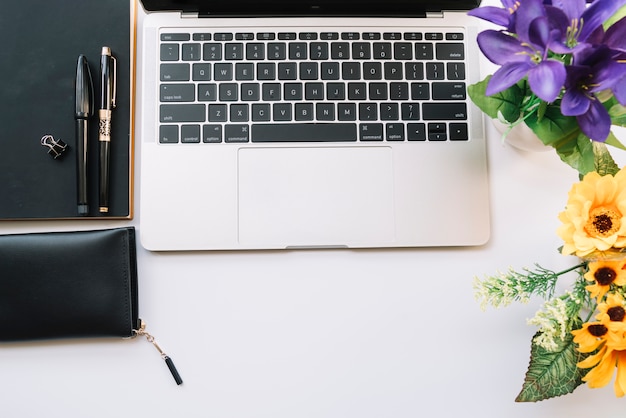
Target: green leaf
x=507, y=102
x=551, y=374
x=617, y=113
x=614, y=142
x=617, y=16
x=604, y=163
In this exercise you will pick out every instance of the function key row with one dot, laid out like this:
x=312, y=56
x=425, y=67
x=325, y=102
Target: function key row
x=312, y=36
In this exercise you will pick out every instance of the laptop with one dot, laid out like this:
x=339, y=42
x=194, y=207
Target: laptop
x=287, y=124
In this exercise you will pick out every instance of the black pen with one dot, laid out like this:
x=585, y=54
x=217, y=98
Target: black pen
x=107, y=103
x=84, y=110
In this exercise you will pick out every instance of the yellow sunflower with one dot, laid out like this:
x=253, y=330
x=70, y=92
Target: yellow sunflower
x=604, y=362
x=590, y=336
x=594, y=218
x=603, y=274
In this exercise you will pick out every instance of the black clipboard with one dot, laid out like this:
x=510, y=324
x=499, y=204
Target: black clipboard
x=41, y=44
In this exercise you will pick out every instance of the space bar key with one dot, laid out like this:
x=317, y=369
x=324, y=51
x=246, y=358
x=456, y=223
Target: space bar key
x=304, y=132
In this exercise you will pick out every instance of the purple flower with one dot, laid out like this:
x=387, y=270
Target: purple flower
x=504, y=17
x=594, y=71
x=520, y=57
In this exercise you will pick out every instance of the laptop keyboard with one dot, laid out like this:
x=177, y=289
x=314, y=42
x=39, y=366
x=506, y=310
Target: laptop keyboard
x=312, y=87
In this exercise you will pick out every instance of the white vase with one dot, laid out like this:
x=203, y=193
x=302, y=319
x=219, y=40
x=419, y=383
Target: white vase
x=521, y=137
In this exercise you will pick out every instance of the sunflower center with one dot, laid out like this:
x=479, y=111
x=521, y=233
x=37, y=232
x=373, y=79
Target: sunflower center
x=605, y=276
x=603, y=222
x=616, y=313
x=597, y=330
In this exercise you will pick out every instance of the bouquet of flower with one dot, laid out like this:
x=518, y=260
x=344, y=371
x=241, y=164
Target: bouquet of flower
x=563, y=73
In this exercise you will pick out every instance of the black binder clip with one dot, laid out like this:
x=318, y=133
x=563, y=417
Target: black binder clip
x=56, y=147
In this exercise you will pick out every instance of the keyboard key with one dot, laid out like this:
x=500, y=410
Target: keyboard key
x=236, y=133
x=169, y=52
x=368, y=111
x=420, y=91
x=239, y=113
x=266, y=71
x=448, y=91
x=261, y=112
x=351, y=71
x=399, y=91
x=174, y=37
x=458, y=132
x=325, y=111
x=190, y=134
x=372, y=71
x=271, y=92
x=212, y=52
x=292, y=91
x=304, y=132
x=168, y=134
x=416, y=131
x=177, y=93
x=233, y=51
x=361, y=51
x=382, y=51
x=414, y=70
x=250, y=92
x=389, y=111
x=423, y=51
x=287, y=71
x=212, y=133
x=309, y=71
x=319, y=50
x=393, y=71
x=378, y=91
x=202, y=37
x=346, y=111
x=371, y=131
x=304, y=112
x=207, y=92
x=444, y=111
x=223, y=72
x=402, y=51
x=266, y=36
x=245, y=36
x=371, y=36
x=412, y=36
x=392, y=36
x=450, y=51
x=201, y=72
x=434, y=71
x=394, y=132
x=455, y=70
x=191, y=52
x=244, y=71
x=335, y=91
x=410, y=111
x=357, y=91
x=340, y=50
x=282, y=112
x=297, y=51
x=287, y=36
x=223, y=37
x=437, y=132
x=433, y=36
x=182, y=113
x=277, y=50
x=330, y=71
x=314, y=91
x=174, y=72
x=307, y=36
x=228, y=92
x=218, y=113
x=455, y=36
x=255, y=51
x=350, y=36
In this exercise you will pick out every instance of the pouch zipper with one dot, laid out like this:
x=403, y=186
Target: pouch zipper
x=168, y=361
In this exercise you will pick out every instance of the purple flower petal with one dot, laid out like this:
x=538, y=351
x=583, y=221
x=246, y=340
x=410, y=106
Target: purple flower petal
x=506, y=76
x=572, y=8
x=527, y=12
x=615, y=36
x=619, y=91
x=546, y=79
x=501, y=48
x=596, y=123
x=574, y=103
x=539, y=32
x=492, y=14
x=596, y=14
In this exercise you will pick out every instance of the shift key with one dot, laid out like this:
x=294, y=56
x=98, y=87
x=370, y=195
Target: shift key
x=183, y=113
x=444, y=111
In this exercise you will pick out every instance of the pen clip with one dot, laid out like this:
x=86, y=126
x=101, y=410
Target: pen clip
x=114, y=93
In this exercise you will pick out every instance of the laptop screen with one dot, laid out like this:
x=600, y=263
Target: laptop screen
x=399, y=8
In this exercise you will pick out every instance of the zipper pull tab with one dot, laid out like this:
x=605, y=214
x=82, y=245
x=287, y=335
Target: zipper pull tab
x=168, y=361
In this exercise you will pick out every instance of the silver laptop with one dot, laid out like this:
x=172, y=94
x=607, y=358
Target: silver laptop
x=309, y=124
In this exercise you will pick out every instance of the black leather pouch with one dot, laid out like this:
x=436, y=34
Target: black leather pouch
x=71, y=285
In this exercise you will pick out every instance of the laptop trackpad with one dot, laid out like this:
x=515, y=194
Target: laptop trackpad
x=330, y=196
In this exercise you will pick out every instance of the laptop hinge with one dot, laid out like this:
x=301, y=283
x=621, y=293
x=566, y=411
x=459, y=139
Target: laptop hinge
x=189, y=15
x=434, y=14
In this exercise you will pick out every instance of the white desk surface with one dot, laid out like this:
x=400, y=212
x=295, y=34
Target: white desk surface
x=320, y=334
